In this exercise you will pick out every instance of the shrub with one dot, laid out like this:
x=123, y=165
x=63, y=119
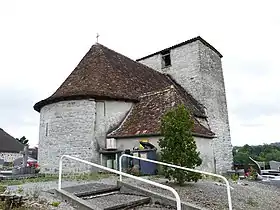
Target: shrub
x=178, y=146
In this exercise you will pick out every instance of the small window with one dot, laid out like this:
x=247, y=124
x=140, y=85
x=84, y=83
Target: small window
x=47, y=129
x=166, y=59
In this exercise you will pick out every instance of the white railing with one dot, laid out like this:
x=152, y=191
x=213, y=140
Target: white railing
x=178, y=200
x=180, y=167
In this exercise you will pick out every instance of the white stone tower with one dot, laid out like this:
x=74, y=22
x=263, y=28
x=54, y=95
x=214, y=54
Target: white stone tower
x=197, y=67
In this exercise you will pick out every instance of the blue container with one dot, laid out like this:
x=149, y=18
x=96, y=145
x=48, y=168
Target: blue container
x=146, y=168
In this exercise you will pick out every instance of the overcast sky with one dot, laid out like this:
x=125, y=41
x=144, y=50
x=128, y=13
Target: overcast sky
x=41, y=42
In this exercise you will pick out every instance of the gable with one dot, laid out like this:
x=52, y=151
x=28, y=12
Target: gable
x=145, y=116
x=9, y=143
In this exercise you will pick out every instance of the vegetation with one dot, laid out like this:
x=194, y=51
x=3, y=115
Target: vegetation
x=47, y=178
x=262, y=153
x=55, y=203
x=178, y=146
x=2, y=188
x=23, y=140
x=234, y=177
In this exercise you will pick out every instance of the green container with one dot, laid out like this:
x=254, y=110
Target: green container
x=110, y=163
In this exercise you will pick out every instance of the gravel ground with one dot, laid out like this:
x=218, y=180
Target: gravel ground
x=45, y=197
x=205, y=193
x=247, y=195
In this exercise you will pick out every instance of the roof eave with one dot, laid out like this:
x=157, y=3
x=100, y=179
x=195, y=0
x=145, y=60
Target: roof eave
x=184, y=43
x=157, y=134
x=39, y=105
x=8, y=151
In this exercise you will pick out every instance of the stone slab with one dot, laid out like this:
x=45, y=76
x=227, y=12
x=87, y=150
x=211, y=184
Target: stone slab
x=157, y=197
x=118, y=201
x=75, y=201
x=90, y=189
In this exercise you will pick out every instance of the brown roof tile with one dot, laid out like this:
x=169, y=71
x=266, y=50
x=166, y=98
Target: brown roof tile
x=105, y=73
x=145, y=116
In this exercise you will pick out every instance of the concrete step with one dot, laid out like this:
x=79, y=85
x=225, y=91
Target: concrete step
x=119, y=201
x=91, y=189
x=101, y=196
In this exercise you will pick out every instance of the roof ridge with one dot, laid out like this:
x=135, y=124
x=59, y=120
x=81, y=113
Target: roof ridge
x=134, y=61
x=171, y=87
x=122, y=122
x=197, y=105
x=104, y=54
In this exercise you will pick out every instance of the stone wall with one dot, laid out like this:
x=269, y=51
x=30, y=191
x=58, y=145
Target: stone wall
x=109, y=114
x=213, y=96
x=77, y=128
x=9, y=157
x=198, y=69
x=204, y=145
x=67, y=128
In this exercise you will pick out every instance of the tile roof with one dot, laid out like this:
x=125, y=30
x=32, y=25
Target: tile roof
x=145, y=116
x=9, y=143
x=106, y=74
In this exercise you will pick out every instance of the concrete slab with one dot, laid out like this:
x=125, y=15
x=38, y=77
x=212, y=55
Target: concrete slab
x=76, y=202
x=156, y=197
x=91, y=189
x=118, y=201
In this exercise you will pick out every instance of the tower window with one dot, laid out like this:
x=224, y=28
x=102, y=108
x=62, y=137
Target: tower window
x=165, y=59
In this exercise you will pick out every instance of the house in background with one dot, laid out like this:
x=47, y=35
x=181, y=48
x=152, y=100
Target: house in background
x=10, y=148
x=33, y=153
x=109, y=95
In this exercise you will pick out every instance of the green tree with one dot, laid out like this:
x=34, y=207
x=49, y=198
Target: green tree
x=23, y=140
x=241, y=158
x=178, y=146
x=263, y=153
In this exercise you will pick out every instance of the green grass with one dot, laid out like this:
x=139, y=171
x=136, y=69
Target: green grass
x=3, y=205
x=55, y=203
x=47, y=178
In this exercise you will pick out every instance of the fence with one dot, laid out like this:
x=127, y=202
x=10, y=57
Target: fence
x=179, y=167
x=178, y=200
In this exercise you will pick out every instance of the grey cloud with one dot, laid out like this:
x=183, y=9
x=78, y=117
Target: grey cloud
x=250, y=111
x=16, y=106
x=252, y=124
x=247, y=68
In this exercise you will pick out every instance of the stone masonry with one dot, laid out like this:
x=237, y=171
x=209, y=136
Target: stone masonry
x=66, y=127
x=9, y=156
x=198, y=69
x=77, y=128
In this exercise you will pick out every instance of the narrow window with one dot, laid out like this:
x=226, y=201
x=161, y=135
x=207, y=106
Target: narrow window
x=165, y=59
x=47, y=129
x=104, y=107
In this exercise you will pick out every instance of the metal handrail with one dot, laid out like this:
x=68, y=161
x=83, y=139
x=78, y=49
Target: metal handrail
x=178, y=200
x=180, y=167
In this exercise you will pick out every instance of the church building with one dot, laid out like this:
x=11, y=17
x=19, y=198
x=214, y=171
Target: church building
x=110, y=96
